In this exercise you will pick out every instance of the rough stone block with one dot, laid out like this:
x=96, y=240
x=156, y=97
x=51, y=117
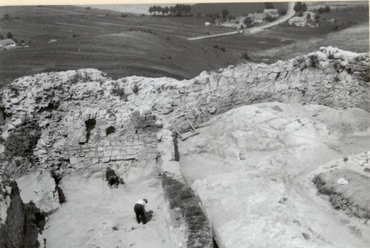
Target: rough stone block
x=73, y=160
x=106, y=159
x=107, y=153
x=116, y=152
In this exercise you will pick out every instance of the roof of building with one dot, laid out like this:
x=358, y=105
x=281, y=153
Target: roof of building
x=270, y=10
x=7, y=42
x=259, y=15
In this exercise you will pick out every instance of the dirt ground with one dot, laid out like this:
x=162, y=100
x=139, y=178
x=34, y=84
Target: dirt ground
x=98, y=216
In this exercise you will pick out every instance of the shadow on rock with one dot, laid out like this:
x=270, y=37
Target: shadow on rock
x=148, y=215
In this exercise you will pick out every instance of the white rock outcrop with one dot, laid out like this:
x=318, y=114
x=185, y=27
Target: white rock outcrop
x=253, y=166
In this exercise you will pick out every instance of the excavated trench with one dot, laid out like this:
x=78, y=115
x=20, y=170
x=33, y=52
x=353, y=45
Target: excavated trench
x=186, y=205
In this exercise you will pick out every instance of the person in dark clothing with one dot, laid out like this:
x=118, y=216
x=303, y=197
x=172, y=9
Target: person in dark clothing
x=139, y=209
x=111, y=177
x=108, y=173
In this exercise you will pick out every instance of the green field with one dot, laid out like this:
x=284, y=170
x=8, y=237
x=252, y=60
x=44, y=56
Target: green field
x=153, y=46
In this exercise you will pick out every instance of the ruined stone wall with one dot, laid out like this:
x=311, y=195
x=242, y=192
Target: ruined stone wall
x=328, y=77
x=126, y=144
x=76, y=109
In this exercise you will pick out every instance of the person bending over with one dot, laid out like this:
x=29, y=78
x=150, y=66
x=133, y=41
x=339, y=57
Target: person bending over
x=139, y=209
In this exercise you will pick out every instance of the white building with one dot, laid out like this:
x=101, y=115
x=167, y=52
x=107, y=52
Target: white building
x=271, y=12
x=7, y=43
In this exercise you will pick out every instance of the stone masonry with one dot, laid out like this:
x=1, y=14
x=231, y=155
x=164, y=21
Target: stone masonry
x=89, y=120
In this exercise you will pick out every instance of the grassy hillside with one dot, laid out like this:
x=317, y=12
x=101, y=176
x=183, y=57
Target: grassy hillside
x=144, y=45
x=70, y=37
x=234, y=8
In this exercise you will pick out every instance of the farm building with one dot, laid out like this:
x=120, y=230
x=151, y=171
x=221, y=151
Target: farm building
x=271, y=12
x=257, y=17
x=298, y=21
x=7, y=43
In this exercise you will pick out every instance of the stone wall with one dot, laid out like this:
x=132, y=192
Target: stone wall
x=89, y=120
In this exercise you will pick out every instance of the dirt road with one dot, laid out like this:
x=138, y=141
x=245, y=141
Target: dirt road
x=290, y=14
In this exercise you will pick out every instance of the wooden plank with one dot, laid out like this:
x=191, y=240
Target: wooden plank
x=191, y=135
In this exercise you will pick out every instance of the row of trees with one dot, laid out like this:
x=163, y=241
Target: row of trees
x=178, y=9
x=326, y=9
x=302, y=7
x=269, y=5
x=8, y=36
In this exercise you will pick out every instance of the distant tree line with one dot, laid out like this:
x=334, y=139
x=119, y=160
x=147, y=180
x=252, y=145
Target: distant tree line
x=177, y=10
x=326, y=9
x=9, y=35
x=269, y=5
x=300, y=7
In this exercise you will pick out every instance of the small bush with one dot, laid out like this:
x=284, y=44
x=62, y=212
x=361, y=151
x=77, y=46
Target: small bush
x=118, y=92
x=270, y=18
x=317, y=18
x=282, y=12
x=300, y=62
x=22, y=141
x=80, y=77
x=245, y=56
x=314, y=61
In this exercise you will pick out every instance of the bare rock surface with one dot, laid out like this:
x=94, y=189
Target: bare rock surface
x=253, y=169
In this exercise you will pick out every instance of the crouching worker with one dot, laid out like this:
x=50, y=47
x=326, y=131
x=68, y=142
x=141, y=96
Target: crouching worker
x=112, y=178
x=140, y=210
